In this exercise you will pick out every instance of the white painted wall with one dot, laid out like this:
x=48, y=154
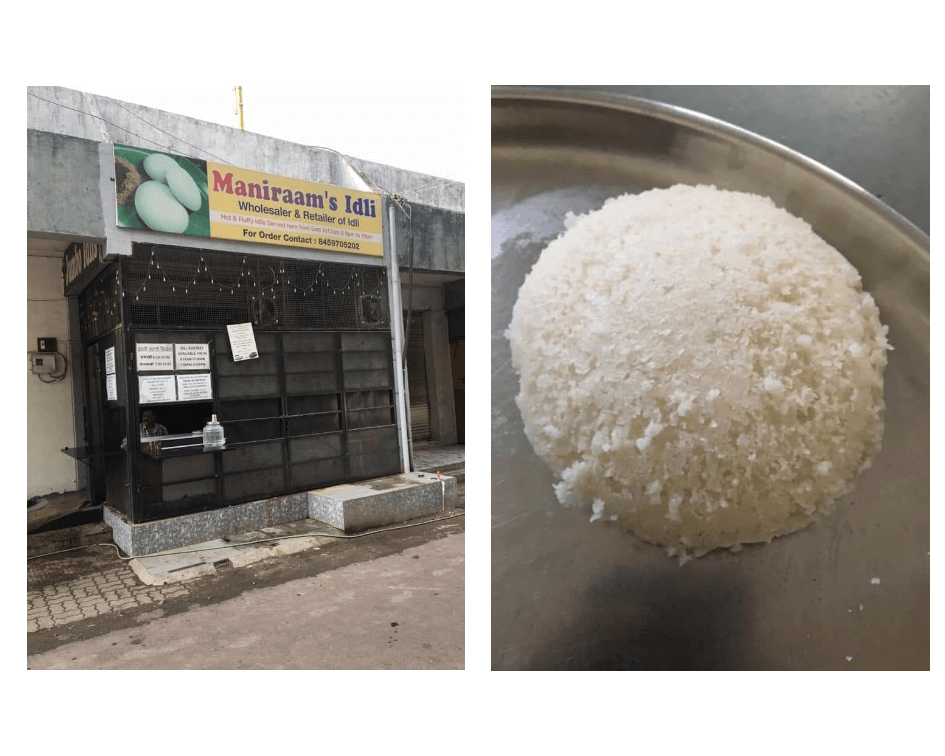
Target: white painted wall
x=49, y=407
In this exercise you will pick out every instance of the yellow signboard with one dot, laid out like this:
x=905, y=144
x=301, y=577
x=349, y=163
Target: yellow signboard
x=173, y=194
x=252, y=206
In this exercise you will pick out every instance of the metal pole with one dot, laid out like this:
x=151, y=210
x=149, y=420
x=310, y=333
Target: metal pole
x=397, y=328
x=239, y=105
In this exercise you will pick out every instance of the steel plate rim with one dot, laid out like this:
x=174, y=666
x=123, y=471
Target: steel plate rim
x=723, y=129
x=515, y=644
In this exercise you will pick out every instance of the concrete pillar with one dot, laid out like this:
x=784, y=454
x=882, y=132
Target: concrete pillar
x=436, y=349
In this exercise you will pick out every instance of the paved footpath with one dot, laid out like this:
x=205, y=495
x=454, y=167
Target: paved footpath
x=92, y=596
x=402, y=611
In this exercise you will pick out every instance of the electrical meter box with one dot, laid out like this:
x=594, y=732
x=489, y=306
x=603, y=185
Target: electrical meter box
x=43, y=362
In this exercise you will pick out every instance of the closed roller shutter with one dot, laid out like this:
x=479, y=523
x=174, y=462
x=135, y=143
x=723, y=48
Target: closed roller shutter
x=417, y=382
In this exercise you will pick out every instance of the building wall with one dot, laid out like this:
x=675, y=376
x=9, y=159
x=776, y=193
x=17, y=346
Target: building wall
x=62, y=179
x=59, y=110
x=70, y=197
x=49, y=406
x=439, y=239
x=428, y=190
x=68, y=162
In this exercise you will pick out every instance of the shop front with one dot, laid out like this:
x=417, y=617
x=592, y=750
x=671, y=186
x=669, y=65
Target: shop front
x=170, y=294
x=291, y=355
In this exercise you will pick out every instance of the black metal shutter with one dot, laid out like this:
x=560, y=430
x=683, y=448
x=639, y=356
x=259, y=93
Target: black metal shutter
x=417, y=382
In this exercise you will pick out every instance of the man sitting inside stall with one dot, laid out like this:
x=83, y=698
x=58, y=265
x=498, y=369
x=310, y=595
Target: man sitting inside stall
x=150, y=426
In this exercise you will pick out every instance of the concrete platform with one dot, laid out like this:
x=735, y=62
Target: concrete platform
x=383, y=501
x=238, y=551
x=349, y=508
x=176, y=532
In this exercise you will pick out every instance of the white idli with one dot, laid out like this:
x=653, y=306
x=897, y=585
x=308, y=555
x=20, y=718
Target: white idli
x=699, y=366
x=183, y=187
x=157, y=165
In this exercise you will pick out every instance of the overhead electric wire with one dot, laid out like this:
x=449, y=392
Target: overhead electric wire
x=166, y=133
x=430, y=185
x=346, y=158
x=128, y=131
x=381, y=190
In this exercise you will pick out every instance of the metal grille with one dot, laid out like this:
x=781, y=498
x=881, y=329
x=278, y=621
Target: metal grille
x=170, y=287
x=315, y=409
x=100, y=305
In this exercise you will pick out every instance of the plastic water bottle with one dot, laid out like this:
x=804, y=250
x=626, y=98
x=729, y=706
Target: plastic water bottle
x=213, y=433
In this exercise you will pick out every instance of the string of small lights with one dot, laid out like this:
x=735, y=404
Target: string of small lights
x=356, y=279
x=171, y=272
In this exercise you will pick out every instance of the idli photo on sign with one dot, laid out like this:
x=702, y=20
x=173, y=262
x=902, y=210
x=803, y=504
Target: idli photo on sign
x=162, y=192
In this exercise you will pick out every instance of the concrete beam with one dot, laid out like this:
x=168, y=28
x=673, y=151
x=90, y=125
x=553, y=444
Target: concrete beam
x=62, y=188
x=423, y=298
x=438, y=237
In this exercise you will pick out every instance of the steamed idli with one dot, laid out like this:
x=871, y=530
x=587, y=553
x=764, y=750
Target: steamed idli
x=699, y=366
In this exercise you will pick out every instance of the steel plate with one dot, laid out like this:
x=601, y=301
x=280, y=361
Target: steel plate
x=568, y=594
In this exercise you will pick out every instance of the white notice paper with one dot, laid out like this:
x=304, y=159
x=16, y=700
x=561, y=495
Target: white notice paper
x=194, y=387
x=192, y=356
x=111, y=388
x=110, y=361
x=155, y=356
x=242, y=342
x=156, y=388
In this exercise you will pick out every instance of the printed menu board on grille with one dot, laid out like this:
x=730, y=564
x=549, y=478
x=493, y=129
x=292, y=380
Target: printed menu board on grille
x=154, y=356
x=192, y=356
x=191, y=387
x=156, y=388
